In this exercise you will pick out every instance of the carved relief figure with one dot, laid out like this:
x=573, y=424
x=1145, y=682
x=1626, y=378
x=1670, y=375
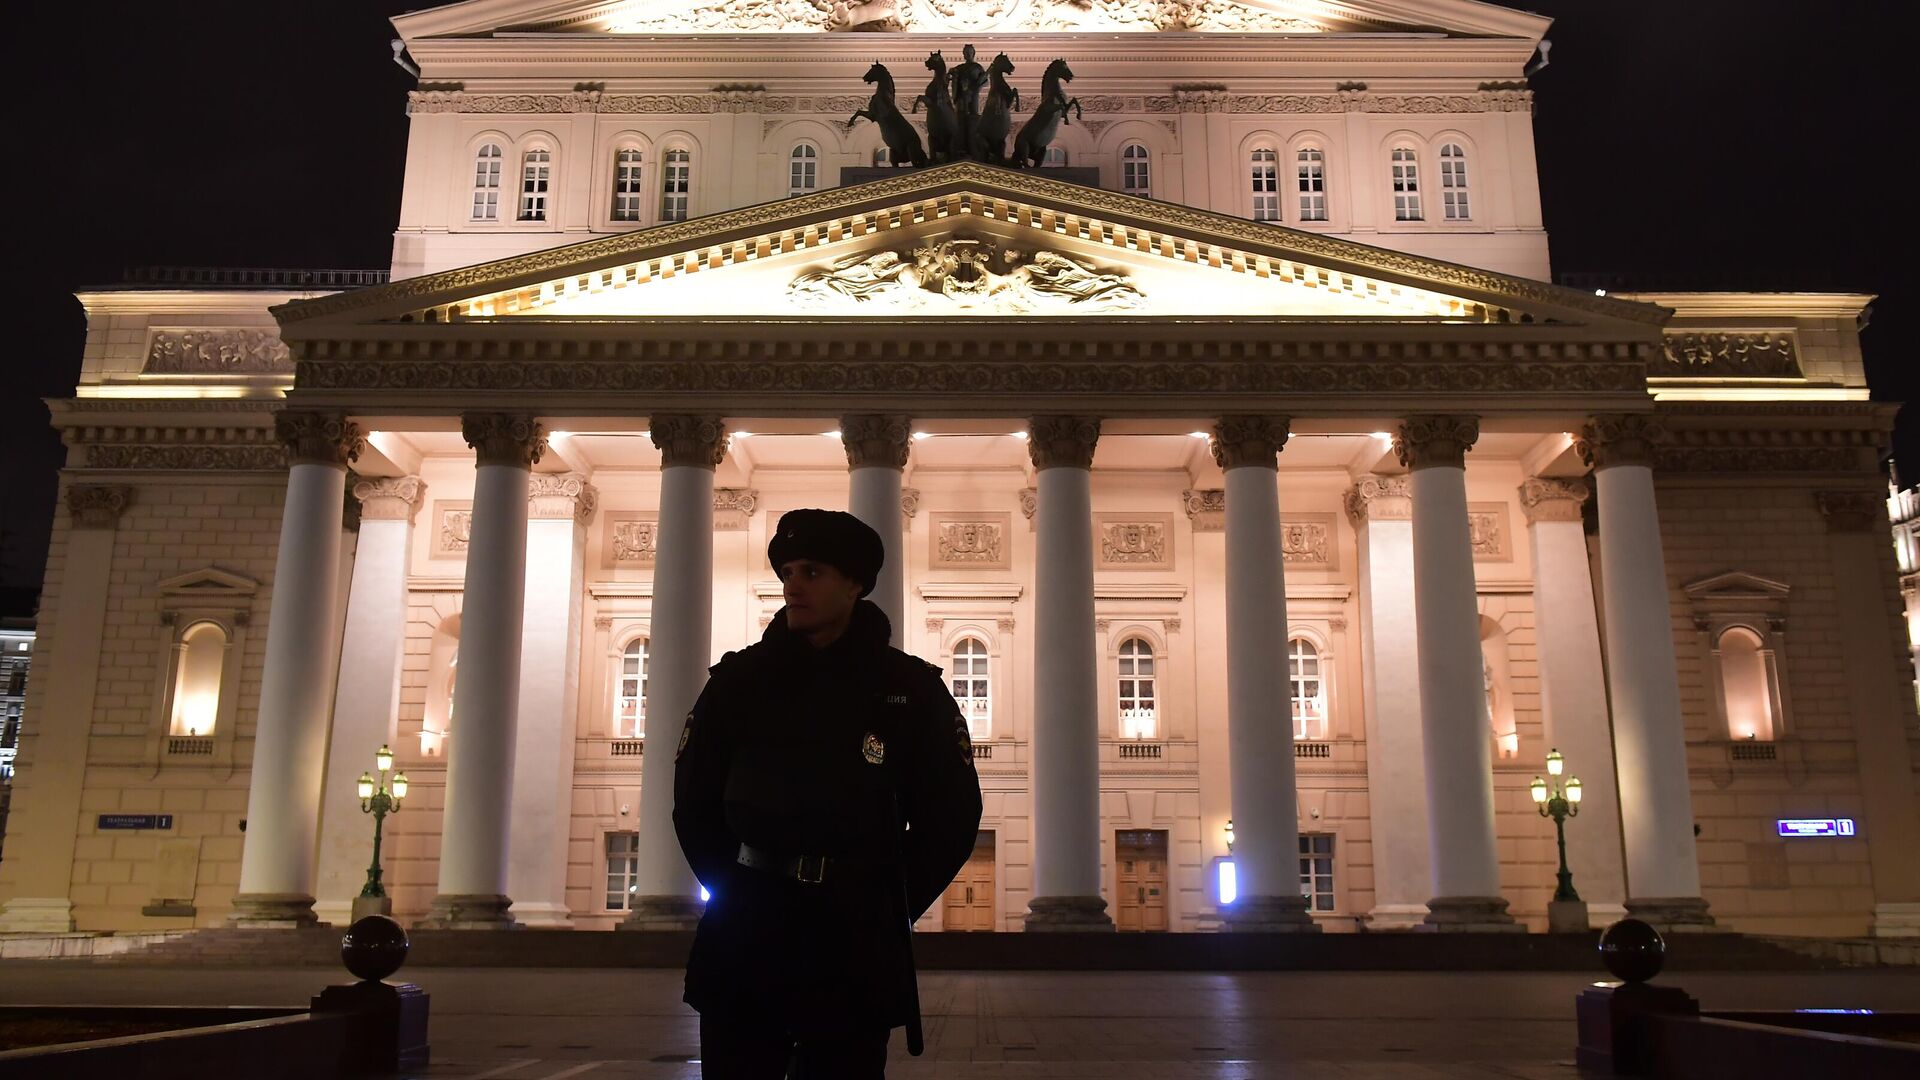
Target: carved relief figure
x=634, y=541
x=871, y=15
x=1303, y=543
x=969, y=273
x=1133, y=542
x=969, y=541
x=1030, y=146
x=903, y=142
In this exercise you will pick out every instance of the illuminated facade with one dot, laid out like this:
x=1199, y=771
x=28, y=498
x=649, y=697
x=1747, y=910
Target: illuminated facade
x=1238, y=467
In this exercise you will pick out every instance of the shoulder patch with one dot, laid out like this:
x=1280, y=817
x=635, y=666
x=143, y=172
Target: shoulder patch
x=686, y=733
x=963, y=739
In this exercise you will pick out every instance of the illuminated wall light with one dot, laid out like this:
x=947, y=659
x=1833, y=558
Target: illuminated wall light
x=743, y=435
x=1228, y=882
x=1021, y=435
x=1197, y=434
x=1383, y=436
x=919, y=435
x=834, y=434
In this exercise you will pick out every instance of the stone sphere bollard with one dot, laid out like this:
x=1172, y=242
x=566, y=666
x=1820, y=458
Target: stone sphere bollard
x=1633, y=951
x=374, y=948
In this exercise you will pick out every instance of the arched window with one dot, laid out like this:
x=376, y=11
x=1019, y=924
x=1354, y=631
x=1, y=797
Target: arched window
x=1265, y=166
x=803, y=170
x=882, y=157
x=1135, y=178
x=1406, y=185
x=486, y=183
x=1310, y=178
x=626, y=184
x=1137, y=702
x=1746, y=685
x=1056, y=158
x=1309, y=689
x=1453, y=182
x=630, y=699
x=536, y=176
x=676, y=180
x=971, y=687
x=200, y=657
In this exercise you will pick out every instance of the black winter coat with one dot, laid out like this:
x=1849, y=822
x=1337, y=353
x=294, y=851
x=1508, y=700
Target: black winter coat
x=856, y=752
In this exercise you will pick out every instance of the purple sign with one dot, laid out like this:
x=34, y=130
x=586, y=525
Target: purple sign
x=135, y=821
x=1815, y=826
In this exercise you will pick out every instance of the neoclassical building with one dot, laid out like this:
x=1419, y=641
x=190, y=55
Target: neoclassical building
x=1270, y=513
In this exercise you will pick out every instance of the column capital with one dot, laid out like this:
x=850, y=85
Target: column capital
x=1426, y=442
x=1249, y=440
x=876, y=439
x=1029, y=502
x=1852, y=511
x=1548, y=498
x=97, y=506
x=560, y=497
x=1062, y=441
x=1380, y=498
x=697, y=439
x=1612, y=439
x=1206, y=508
x=389, y=498
x=909, y=503
x=317, y=438
x=500, y=438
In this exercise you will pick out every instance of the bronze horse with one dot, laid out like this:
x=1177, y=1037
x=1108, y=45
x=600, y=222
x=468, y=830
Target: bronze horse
x=1030, y=146
x=903, y=142
x=996, y=118
x=943, y=123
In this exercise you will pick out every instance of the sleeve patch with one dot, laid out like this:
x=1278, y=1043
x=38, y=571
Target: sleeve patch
x=686, y=733
x=963, y=739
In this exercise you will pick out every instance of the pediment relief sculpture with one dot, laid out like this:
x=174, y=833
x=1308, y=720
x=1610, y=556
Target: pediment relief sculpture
x=966, y=273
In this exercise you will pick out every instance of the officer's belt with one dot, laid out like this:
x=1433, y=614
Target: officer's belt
x=810, y=869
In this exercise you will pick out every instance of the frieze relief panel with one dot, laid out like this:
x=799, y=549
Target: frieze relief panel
x=1133, y=541
x=1729, y=356
x=452, y=527
x=1309, y=542
x=1490, y=527
x=935, y=16
x=967, y=273
x=629, y=541
x=963, y=540
x=217, y=352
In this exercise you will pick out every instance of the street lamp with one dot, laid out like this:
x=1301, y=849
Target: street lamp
x=379, y=798
x=1559, y=801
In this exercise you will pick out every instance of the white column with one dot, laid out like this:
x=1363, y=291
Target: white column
x=290, y=742
x=559, y=506
x=1650, y=744
x=486, y=697
x=876, y=453
x=1453, y=706
x=1573, y=691
x=1066, y=736
x=367, y=694
x=1382, y=511
x=1266, y=826
x=42, y=826
x=691, y=447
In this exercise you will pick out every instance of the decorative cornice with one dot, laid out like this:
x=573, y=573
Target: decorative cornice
x=1380, y=498
x=561, y=497
x=688, y=439
x=97, y=506
x=501, y=438
x=1062, y=441
x=750, y=101
x=187, y=458
x=318, y=438
x=389, y=498
x=1853, y=511
x=1619, y=439
x=1440, y=441
x=876, y=439
x=1547, y=498
x=1249, y=440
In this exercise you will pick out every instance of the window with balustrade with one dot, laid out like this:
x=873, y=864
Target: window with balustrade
x=623, y=870
x=1138, y=704
x=630, y=696
x=676, y=184
x=1309, y=689
x=486, y=183
x=199, y=660
x=627, y=192
x=1316, y=871
x=1135, y=170
x=536, y=182
x=1310, y=182
x=803, y=170
x=972, y=685
x=1406, y=185
x=1453, y=182
x=1265, y=168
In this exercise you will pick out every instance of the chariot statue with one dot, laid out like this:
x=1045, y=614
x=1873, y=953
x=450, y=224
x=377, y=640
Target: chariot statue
x=960, y=127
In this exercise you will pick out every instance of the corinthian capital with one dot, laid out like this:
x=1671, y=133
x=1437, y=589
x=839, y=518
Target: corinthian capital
x=1249, y=440
x=1619, y=439
x=688, y=439
x=504, y=438
x=1426, y=442
x=559, y=496
x=1546, y=498
x=389, y=498
x=876, y=439
x=97, y=506
x=317, y=438
x=1065, y=441
x=1380, y=498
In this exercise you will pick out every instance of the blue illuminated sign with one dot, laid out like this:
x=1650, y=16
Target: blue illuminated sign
x=135, y=821
x=1228, y=882
x=1815, y=826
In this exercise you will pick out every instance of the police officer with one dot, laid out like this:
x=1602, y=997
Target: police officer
x=824, y=793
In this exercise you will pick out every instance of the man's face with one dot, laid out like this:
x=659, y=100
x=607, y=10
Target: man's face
x=817, y=595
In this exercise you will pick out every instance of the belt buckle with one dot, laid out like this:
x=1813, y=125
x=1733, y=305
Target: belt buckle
x=819, y=863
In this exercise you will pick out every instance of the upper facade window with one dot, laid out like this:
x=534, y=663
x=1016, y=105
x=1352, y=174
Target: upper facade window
x=536, y=176
x=1137, y=701
x=630, y=698
x=676, y=181
x=1266, y=184
x=803, y=170
x=1135, y=178
x=1453, y=182
x=200, y=657
x=626, y=185
x=971, y=686
x=1406, y=185
x=1310, y=173
x=1309, y=689
x=486, y=184
x=1056, y=158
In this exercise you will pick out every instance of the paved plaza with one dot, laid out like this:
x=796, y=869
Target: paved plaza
x=550, y=1024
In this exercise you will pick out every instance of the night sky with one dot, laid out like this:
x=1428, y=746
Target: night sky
x=1698, y=144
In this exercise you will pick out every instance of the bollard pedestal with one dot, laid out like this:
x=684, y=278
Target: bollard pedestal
x=389, y=1031
x=1615, y=1037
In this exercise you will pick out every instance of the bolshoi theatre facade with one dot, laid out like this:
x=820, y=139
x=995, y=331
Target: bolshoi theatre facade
x=1270, y=514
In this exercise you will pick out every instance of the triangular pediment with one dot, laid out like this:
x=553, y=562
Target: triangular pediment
x=1736, y=587
x=207, y=583
x=971, y=241
x=475, y=18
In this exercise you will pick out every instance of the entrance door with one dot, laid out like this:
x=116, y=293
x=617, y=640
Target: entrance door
x=1142, y=878
x=969, y=900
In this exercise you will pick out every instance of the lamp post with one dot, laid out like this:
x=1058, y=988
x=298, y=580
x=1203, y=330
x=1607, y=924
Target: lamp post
x=379, y=798
x=1560, y=801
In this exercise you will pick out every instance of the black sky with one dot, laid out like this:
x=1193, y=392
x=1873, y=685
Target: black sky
x=1750, y=145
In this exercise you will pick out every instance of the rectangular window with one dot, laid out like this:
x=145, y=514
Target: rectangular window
x=536, y=173
x=1312, y=180
x=1453, y=182
x=626, y=186
x=676, y=180
x=1316, y=870
x=486, y=184
x=1406, y=186
x=1266, y=186
x=623, y=870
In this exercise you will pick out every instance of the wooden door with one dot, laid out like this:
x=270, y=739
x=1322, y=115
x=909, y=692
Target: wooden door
x=1141, y=879
x=969, y=900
